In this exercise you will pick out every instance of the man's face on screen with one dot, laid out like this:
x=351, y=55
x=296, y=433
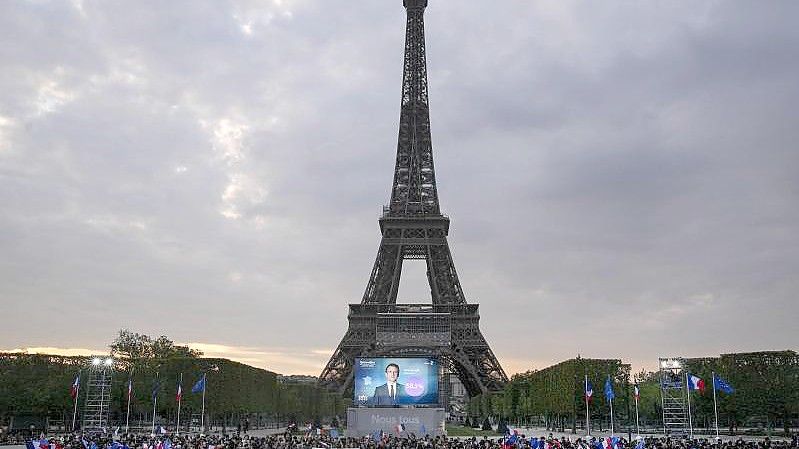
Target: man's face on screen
x=392, y=373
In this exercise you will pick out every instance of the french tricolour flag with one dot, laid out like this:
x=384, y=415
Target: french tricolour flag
x=179, y=393
x=696, y=383
x=637, y=393
x=589, y=390
x=73, y=391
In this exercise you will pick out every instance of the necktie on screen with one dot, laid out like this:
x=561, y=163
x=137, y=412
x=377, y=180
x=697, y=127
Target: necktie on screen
x=391, y=391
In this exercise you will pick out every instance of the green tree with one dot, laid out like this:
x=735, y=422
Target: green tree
x=134, y=346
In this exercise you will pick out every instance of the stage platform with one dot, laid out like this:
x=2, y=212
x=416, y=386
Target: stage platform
x=370, y=420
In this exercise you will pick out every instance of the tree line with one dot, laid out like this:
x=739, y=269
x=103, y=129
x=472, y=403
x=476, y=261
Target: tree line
x=554, y=397
x=766, y=389
x=766, y=394
x=39, y=384
x=766, y=384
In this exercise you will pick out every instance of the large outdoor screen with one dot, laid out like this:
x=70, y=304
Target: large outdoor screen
x=395, y=381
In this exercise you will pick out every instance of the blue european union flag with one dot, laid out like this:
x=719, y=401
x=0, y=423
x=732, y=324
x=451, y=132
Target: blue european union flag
x=609, y=395
x=722, y=385
x=199, y=386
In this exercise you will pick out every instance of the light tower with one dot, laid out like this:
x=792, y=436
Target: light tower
x=672, y=394
x=98, y=394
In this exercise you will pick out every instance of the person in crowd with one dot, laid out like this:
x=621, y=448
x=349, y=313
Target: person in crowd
x=384, y=441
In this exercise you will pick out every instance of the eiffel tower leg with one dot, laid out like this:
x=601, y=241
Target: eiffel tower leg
x=382, y=288
x=477, y=366
x=444, y=284
x=338, y=371
x=383, y=285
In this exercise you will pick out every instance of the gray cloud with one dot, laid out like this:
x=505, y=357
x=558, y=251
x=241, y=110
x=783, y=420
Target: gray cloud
x=620, y=177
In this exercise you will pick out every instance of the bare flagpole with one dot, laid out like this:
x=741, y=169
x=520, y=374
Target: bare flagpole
x=587, y=414
x=155, y=401
x=130, y=392
x=637, y=427
x=611, y=418
x=180, y=398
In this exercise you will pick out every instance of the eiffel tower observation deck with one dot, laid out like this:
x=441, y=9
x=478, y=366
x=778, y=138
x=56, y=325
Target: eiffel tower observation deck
x=413, y=227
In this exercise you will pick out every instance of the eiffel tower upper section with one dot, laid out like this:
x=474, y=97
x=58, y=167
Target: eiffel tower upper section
x=412, y=224
x=414, y=190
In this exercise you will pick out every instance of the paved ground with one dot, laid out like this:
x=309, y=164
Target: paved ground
x=540, y=431
x=266, y=432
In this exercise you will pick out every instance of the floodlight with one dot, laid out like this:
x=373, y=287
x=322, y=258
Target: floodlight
x=671, y=364
x=109, y=361
x=96, y=361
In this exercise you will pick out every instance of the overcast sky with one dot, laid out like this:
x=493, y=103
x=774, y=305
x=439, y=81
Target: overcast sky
x=622, y=176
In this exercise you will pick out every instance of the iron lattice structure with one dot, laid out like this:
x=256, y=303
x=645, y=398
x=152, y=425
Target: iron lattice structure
x=98, y=396
x=673, y=396
x=413, y=227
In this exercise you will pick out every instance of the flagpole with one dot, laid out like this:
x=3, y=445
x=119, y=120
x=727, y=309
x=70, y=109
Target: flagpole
x=75, y=409
x=155, y=402
x=180, y=398
x=663, y=400
x=637, y=427
x=715, y=405
x=611, y=418
x=587, y=414
x=202, y=415
x=127, y=414
x=688, y=389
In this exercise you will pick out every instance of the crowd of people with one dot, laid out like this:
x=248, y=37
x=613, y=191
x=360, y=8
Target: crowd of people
x=385, y=441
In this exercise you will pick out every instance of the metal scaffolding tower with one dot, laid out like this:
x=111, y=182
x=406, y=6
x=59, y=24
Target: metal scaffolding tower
x=673, y=396
x=98, y=394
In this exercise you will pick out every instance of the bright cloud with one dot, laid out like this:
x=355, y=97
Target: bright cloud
x=280, y=360
x=71, y=352
x=228, y=139
x=242, y=191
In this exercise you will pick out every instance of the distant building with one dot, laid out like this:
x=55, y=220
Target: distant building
x=458, y=400
x=297, y=379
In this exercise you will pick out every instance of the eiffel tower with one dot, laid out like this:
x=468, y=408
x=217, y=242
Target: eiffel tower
x=413, y=227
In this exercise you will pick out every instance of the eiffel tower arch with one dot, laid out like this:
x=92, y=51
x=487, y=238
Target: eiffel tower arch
x=413, y=227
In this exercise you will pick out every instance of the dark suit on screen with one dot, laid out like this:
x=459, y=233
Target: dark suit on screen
x=381, y=396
